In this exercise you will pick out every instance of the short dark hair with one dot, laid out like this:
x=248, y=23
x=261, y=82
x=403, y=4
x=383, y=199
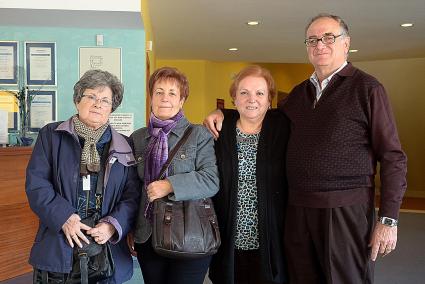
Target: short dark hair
x=98, y=78
x=342, y=24
x=170, y=73
x=255, y=71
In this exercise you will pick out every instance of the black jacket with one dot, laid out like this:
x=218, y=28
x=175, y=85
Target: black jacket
x=272, y=196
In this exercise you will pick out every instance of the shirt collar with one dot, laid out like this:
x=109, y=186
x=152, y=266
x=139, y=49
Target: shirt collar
x=315, y=80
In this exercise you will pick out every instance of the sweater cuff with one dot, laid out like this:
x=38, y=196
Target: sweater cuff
x=118, y=230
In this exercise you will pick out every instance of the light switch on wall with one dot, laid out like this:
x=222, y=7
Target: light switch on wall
x=99, y=40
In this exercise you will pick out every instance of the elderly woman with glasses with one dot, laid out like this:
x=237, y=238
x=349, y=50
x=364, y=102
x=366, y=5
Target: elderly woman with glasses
x=66, y=167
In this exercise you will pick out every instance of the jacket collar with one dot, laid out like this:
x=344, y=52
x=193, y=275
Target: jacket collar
x=119, y=147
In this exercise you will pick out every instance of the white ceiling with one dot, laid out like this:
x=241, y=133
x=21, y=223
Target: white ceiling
x=205, y=29
x=71, y=18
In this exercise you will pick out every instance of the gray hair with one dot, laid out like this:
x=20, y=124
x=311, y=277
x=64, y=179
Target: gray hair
x=99, y=78
x=342, y=24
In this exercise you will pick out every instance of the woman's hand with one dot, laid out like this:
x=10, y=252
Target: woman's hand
x=130, y=243
x=72, y=230
x=158, y=189
x=102, y=232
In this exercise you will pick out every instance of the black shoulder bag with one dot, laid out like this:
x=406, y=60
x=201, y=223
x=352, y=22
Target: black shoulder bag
x=184, y=229
x=93, y=262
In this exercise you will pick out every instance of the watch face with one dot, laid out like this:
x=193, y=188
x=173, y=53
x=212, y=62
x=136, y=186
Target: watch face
x=388, y=221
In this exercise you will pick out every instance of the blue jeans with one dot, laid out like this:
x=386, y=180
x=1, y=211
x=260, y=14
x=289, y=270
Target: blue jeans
x=157, y=269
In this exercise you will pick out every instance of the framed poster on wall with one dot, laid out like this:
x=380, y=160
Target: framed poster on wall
x=104, y=58
x=43, y=109
x=9, y=62
x=40, y=63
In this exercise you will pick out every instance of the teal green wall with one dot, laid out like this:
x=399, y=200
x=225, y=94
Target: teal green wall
x=68, y=41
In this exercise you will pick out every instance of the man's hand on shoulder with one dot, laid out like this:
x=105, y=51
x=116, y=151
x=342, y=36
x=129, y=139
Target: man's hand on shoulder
x=213, y=122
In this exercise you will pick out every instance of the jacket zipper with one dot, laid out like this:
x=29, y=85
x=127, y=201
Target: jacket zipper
x=87, y=202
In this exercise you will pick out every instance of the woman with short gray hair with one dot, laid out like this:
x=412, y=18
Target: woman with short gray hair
x=70, y=160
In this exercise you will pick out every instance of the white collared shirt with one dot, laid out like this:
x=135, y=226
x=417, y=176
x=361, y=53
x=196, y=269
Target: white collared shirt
x=320, y=87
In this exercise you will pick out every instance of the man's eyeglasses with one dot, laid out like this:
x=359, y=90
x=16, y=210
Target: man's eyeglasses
x=104, y=102
x=326, y=39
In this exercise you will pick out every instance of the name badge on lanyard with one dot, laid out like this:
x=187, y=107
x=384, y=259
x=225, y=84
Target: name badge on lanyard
x=86, y=182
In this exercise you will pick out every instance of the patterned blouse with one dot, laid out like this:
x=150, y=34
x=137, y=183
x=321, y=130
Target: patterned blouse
x=246, y=212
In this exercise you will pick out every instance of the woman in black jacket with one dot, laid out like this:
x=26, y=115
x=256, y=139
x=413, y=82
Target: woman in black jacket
x=251, y=202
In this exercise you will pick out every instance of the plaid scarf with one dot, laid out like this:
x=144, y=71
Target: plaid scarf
x=90, y=159
x=157, y=150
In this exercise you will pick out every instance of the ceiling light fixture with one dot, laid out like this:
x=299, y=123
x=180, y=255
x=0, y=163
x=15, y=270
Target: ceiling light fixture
x=233, y=49
x=353, y=50
x=253, y=23
x=407, y=25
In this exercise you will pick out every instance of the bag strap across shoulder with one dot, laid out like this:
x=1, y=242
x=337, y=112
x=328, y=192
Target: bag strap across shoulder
x=174, y=151
x=101, y=175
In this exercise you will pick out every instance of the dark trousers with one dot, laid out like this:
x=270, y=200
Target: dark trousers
x=46, y=277
x=248, y=267
x=161, y=270
x=329, y=245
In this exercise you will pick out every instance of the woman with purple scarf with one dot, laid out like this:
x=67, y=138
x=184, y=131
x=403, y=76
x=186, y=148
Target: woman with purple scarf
x=192, y=174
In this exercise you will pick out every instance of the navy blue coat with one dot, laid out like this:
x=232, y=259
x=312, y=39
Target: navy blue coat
x=52, y=182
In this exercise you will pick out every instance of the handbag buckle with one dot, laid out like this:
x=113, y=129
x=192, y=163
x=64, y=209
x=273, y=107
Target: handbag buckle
x=167, y=219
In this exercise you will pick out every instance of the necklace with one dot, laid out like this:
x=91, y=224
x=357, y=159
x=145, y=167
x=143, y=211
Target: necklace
x=246, y=139
x=256, y=130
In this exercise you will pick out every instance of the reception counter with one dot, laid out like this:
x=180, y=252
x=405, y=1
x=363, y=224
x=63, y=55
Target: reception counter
x=18, y=224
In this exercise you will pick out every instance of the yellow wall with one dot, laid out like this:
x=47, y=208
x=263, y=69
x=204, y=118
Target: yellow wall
x=148, y=33
x=404, y=81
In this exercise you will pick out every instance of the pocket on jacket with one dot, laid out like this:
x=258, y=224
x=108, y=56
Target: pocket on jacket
x=184, y=160
x=140, y=162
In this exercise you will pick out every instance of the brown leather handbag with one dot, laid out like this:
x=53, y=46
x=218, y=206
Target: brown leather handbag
x=184, y=229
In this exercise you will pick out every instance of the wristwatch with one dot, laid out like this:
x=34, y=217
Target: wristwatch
x=388, y=221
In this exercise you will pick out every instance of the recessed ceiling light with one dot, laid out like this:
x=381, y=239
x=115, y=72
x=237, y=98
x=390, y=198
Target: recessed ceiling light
x=233, y=49
x=407, y=25
x=353, y=50
x=253, y=23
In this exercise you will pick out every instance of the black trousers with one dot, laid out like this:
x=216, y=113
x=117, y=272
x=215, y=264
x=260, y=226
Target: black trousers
x=161, y=270
x=329, y=245
x=46, y=277
x=248, y=267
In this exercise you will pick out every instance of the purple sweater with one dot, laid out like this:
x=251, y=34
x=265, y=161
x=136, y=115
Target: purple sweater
x=334, y=147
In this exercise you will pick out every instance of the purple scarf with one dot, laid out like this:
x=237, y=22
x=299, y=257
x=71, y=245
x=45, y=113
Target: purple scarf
x=157, y=151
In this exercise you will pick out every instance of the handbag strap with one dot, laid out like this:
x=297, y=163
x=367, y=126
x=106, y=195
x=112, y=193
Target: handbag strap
x=101, y=175
x=174, y=151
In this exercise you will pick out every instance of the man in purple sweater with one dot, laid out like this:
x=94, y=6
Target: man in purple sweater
x=341, y=126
